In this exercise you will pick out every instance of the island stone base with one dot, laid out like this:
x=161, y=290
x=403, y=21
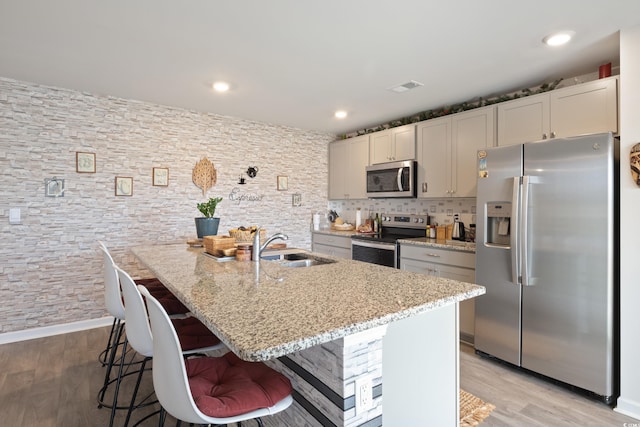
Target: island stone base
x=419, y=357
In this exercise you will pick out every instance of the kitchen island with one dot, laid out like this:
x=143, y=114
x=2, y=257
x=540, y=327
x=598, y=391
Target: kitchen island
x=334, y=329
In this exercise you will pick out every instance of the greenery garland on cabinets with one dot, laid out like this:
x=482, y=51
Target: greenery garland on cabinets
x=456, y=108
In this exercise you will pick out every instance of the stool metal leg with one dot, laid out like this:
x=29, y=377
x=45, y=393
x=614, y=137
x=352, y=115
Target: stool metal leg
x=135, y=391
x=112, y=357
x=102, y=358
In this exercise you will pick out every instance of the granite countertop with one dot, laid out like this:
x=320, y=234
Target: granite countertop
x=418, y=241
x=442, y=244
x=264, y=310
x=336, y=232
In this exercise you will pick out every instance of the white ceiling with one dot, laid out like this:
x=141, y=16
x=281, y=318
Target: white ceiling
x=294, y=62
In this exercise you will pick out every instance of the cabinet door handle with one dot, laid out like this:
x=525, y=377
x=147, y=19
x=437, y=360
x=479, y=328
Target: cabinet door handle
x=424, y=187
x=544, y=136
x=553, y=134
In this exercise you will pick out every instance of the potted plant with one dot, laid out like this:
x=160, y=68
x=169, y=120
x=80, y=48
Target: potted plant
x=208, y=225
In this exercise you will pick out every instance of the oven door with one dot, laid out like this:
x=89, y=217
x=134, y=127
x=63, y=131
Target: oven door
x=374, y=252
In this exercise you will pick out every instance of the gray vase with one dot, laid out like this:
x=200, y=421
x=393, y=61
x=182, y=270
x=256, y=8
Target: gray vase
x=207, y=226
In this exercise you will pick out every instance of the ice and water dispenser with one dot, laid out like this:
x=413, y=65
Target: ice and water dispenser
x=498, y=223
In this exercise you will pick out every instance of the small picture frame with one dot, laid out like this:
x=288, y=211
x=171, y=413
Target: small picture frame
x=161, y=177
x=124, y=186
x=54, y=187
x=283, y=182
x=85, y=162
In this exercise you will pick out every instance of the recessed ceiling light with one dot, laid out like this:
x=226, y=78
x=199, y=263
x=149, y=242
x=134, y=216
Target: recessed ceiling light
x=340, y=114
x=221, y=86
x=558, y=39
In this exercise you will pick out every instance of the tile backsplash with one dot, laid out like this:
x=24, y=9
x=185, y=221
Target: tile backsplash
x=440, y=210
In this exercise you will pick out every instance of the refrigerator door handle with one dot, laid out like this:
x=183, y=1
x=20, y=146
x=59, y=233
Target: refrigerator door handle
x=523, y=228
x=515, y=238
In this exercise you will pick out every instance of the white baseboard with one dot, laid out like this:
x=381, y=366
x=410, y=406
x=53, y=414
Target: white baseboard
x=47, y=331
x=628, y=407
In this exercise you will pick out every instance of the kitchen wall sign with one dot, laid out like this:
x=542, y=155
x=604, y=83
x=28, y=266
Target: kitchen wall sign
x=237, y=197
x=634, y=161
x=204, y=175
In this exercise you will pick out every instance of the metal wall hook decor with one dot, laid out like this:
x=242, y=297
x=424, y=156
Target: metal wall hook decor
x=252, y=171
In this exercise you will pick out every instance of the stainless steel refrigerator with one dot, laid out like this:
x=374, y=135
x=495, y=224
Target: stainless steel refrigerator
x=547, y=253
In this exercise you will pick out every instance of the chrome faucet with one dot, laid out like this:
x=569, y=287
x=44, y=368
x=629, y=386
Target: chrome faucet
x=257, y=249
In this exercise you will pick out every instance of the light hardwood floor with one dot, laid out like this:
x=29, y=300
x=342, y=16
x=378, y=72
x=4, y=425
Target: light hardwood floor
x=525, y=400
x=54, y=381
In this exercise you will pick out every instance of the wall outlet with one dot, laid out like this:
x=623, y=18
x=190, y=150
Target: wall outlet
x=14, y=216
x=364, y=394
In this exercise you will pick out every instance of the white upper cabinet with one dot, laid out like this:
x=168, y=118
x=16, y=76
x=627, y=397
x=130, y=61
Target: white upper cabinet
x=524, y=119
x=587, y=108
x=434, y=157
x=447, y=148
x=393, y=144
x=575, y=110
x=348, y=159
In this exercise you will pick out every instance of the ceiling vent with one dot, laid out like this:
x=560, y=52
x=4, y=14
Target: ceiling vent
x=411, y=84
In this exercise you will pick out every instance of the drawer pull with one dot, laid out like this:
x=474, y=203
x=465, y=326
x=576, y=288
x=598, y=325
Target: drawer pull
x=433, y=255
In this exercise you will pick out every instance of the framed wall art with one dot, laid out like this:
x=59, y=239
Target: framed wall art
x=85, y=162
x=54, y=187
x=283, y=182
x=161, y=177
x=124, y=186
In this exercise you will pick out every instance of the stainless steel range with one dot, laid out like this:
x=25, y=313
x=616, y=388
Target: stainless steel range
x=382, y=248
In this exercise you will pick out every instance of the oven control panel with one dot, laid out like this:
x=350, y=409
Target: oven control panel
x=405, y=220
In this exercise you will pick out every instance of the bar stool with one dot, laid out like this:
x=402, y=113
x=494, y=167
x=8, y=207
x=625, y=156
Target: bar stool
x=210, y=390
x=115, y=307
x=113, y=301
x=195, y=337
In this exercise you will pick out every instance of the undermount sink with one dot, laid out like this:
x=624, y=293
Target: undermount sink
x=301, y=263
x=301, y=259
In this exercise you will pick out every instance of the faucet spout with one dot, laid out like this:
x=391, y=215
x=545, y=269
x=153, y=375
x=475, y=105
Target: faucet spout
x=257, y=249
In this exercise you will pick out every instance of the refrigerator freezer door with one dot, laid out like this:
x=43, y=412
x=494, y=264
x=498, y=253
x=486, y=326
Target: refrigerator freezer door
x=497, y=321
x=567, y=311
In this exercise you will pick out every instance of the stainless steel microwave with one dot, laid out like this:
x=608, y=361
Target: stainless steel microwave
x=393, y=179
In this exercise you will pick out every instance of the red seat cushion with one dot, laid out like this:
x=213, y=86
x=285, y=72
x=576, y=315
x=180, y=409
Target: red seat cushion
x=193, y=334
x=227, y=386
x=167, y=300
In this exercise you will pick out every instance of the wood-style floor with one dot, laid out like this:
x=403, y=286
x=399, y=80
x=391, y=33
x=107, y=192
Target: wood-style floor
x=54, y=381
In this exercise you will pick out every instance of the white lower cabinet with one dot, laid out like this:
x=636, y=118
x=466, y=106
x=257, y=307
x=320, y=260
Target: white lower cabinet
x=331, y=244
x=448, y=264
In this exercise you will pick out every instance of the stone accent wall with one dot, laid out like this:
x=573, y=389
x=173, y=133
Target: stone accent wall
x=50, y=270
x=324, y=379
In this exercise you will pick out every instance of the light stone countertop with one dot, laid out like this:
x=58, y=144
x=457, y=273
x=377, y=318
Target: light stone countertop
x=442, y=244
x=336, y=232
x=417, y=241
x=263, y=310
